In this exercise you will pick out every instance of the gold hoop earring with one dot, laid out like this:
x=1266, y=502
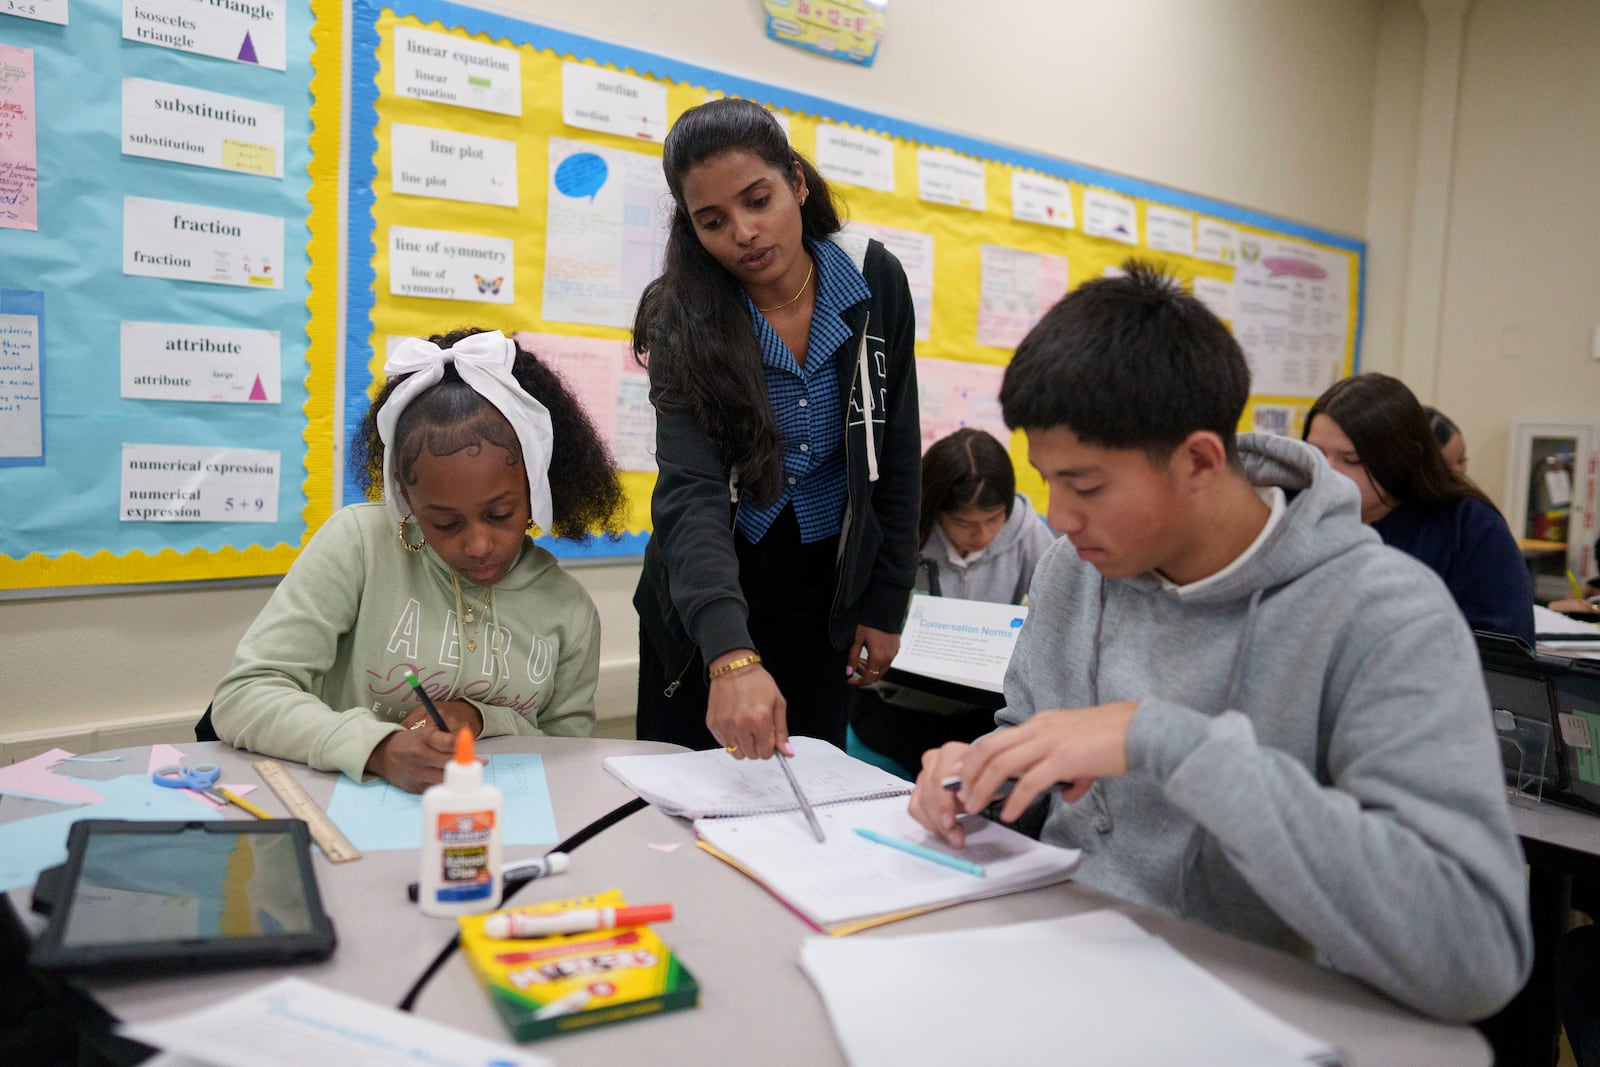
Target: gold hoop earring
x=419, y=546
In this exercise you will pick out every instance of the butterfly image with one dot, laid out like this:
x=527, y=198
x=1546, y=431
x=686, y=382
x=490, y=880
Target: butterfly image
x=489, y=285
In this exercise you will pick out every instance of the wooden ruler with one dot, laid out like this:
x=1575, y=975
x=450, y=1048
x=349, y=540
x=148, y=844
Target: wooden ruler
x=328, y=837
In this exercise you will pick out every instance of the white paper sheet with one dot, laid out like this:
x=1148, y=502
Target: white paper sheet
x=295, y=1021
x=1090, y=989
x=39, y=10
x=1169, y=230
x=186, y=483
x=965, y=641
x=1216, y=241
x=946, y=178
x=1290, y=315
x=180, y=124
x=605, y=232
x=1043, y=200
x=954, y=394
x=175, y=361
x=1216, y=295
x=1016, y=288
x=447, y=69
x=914, y=250
x=245, y=31
x=200, y=243
x=446, y=165
x=856, y=158
x=449, y=265
x=593, y=98
x=21, y=375
x=1108, y=215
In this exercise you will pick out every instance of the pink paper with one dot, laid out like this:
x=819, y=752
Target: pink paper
x=19, y=150
x=165, y=756
x=33, y=778
x=667, y=848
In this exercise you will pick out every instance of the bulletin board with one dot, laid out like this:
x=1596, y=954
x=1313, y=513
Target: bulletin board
x=487, y=187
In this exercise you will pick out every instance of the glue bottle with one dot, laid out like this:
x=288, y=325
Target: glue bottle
x=460, y=839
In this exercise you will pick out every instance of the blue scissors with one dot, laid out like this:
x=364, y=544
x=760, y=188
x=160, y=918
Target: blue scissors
x=201, y=777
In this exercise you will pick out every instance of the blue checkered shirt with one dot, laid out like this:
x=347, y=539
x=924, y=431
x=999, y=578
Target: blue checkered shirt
x=807, y=406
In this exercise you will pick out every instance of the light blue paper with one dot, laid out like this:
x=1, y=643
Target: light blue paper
x=378, y=817
x=28, y=846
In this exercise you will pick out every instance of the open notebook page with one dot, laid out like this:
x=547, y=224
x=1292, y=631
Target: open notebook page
x=1089, y=989
x=848, y=878
x=713, y=783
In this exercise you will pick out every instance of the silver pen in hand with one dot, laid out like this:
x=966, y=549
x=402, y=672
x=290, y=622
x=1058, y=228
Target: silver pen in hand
x=805, y=805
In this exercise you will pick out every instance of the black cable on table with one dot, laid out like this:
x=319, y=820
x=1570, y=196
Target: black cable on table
x=604, y=822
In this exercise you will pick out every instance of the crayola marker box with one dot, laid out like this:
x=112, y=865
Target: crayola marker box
x=554, y=985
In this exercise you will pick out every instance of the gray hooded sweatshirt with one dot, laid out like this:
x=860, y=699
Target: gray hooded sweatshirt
x=1312, y=764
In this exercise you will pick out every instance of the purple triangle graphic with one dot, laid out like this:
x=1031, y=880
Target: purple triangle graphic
x=247, y=51
x=257, y=392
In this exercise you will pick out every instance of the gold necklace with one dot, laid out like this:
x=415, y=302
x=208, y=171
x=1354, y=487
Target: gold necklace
x=468, y=612
x=797, y=296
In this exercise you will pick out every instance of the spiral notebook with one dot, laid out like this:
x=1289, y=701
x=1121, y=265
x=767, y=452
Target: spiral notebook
x=848, y=883
x=712, y=784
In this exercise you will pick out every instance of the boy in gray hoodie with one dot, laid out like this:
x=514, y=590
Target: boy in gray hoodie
x=1271, y=724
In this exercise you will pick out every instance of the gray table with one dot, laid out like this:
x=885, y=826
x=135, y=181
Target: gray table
x=739, y=942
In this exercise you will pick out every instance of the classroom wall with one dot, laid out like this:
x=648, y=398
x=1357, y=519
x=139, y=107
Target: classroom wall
x=1258, y=102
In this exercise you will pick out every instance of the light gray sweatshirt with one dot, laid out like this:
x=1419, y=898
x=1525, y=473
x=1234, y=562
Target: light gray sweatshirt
x=1312, y=764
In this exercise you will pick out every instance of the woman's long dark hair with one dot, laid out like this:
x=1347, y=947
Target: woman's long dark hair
x=1385, y=421
x=585, y=493
x=703, y=355
x=969, y=468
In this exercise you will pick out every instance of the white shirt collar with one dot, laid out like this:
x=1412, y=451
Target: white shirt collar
x=1272, y=496
x=954, y=554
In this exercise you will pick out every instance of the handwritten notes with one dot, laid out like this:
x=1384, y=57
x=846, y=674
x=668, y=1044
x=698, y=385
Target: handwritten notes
x=19, y=151
x=21, y=410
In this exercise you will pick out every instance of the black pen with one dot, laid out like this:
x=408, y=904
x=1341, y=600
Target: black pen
x=433, y=712
x=953, y=784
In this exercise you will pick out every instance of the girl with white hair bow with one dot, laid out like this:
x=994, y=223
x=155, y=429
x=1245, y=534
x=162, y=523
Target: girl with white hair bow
x=476, y=446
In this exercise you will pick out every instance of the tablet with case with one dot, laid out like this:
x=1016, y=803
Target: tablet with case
x=181, y=896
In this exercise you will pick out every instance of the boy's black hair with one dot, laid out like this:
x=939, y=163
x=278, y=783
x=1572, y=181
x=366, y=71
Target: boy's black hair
x=585, y=493
x=1129, y=362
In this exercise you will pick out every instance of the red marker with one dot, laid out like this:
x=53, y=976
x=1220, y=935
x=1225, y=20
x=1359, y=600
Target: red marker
x=578, y=921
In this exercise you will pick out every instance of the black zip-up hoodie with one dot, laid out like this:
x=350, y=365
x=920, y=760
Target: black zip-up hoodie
x=689, y=595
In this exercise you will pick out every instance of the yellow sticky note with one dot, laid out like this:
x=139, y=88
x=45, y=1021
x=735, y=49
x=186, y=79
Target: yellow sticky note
x=250, y=158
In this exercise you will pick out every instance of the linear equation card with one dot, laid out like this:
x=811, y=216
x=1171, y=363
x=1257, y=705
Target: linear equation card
x=21, y=378
x=183, y=125
x=186, y=483
x=19, y=146
x=447, y=69
x=200, y=243
x=425, y=161
x=245, y=31
x=217, y=364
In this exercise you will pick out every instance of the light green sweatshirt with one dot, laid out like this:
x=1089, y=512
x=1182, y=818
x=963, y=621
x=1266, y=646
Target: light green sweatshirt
x=320, y=675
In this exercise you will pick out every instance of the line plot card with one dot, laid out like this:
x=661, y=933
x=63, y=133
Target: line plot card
x=446, y=165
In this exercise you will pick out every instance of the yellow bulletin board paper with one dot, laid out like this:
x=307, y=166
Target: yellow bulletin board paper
x=1292, y=292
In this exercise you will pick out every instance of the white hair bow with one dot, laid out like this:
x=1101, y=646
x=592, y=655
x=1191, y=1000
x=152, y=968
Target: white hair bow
x=484, y=362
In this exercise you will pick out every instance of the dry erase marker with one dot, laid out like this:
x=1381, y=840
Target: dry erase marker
x=578, y=921
x=516, y=875
x=433, y=712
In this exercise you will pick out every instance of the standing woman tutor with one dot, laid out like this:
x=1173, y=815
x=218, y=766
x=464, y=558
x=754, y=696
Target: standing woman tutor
x=787, y=444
